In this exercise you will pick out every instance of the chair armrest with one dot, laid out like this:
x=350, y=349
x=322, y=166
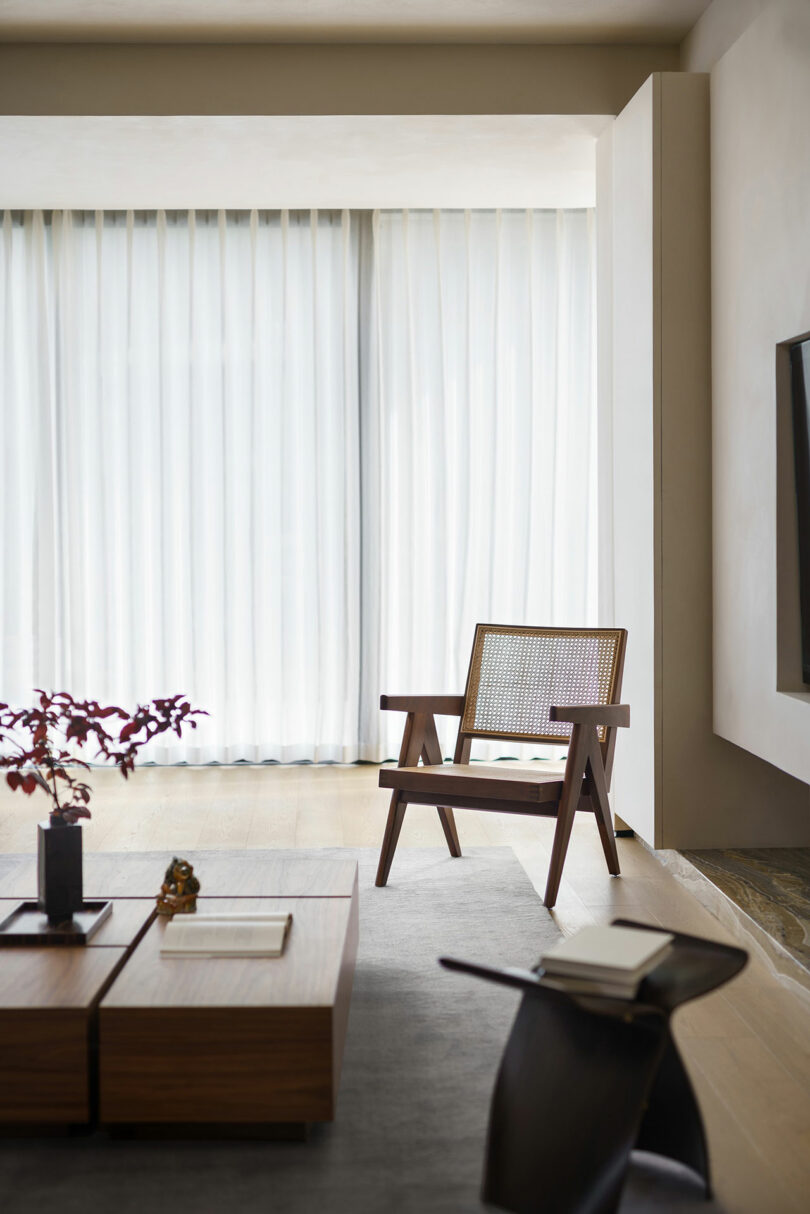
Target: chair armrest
x=591, y=714
x=448, y=706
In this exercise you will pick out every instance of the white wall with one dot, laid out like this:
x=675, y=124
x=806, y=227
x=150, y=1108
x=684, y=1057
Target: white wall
x=760, y=224
x=677, y=783
x=627, y=240
x=298, y=161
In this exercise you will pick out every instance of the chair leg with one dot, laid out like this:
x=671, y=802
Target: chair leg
x=572, y=790
x=449, y=827
x=565, y=820
x=432, y=754
x=601, y=807
x=393, y=826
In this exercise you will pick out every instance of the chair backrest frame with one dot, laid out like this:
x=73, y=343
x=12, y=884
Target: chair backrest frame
x=549, y=665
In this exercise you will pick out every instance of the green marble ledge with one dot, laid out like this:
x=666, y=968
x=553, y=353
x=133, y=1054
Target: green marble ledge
x=772, y=886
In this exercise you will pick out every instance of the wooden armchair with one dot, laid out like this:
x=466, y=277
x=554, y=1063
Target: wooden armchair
x=557, y=685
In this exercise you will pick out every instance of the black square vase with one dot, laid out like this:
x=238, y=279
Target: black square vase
x=59, y=870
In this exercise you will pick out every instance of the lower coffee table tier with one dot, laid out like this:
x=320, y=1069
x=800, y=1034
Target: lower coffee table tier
x=46, y=1001
x=232, y=1040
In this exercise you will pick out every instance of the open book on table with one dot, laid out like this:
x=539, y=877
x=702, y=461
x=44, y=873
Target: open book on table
x=227, y=934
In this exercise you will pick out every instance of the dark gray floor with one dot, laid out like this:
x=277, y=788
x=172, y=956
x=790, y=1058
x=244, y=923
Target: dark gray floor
x=421, y=1058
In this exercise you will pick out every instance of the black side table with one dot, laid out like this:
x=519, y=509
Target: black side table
x=584, y=1080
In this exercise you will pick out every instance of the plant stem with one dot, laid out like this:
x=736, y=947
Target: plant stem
x=55, y=792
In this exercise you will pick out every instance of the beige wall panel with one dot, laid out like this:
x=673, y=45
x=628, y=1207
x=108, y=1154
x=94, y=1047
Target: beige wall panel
x=322, y=79
x=720, y=25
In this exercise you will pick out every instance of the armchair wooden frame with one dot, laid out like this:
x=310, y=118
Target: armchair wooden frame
x=516, y=674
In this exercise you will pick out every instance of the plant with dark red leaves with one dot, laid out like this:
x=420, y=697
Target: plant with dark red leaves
x=38, y=745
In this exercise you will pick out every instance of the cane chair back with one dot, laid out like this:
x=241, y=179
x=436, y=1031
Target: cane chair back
x=517, y=673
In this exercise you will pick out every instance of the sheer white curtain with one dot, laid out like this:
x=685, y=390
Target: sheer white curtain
x=479, y=472
x=180, y=481
x=282, y=462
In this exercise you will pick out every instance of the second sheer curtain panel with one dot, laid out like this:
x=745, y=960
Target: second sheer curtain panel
x=283, y=461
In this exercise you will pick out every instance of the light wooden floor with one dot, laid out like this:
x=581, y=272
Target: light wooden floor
x=747, y=1047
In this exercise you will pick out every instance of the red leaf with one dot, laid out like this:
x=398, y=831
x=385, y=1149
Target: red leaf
x=14, y=779
x=37, y=778
x=78, y=729
x=28, y=785
x=73, y=812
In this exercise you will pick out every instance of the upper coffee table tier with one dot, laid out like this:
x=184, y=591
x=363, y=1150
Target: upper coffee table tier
x=244, y=874
x=253, y=1041
x=307, y=975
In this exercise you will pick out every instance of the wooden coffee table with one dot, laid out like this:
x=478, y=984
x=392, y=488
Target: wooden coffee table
x=188, y=1042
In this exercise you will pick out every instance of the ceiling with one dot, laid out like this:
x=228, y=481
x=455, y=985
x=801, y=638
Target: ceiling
x=349, y=20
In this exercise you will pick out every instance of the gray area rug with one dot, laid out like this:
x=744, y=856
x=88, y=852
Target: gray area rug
x=420, y=1062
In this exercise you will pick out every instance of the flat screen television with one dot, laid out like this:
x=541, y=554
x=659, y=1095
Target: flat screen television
x=800, y=396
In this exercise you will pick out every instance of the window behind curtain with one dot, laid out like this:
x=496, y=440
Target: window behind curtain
x=284, y=461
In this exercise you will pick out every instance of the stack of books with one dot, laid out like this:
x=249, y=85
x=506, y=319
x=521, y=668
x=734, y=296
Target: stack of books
x=239, y=934
x=609, y=961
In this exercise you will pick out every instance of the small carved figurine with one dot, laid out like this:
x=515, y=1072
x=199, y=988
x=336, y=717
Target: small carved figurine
x=178, y=893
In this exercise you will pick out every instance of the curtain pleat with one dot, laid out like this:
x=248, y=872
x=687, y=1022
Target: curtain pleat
x=284, y=461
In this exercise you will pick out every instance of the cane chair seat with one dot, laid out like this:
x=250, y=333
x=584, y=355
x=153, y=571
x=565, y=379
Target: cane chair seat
x=465, y=780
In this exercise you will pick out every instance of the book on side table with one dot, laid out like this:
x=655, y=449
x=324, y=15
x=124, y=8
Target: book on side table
x=608, y=961
x=235, y=934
